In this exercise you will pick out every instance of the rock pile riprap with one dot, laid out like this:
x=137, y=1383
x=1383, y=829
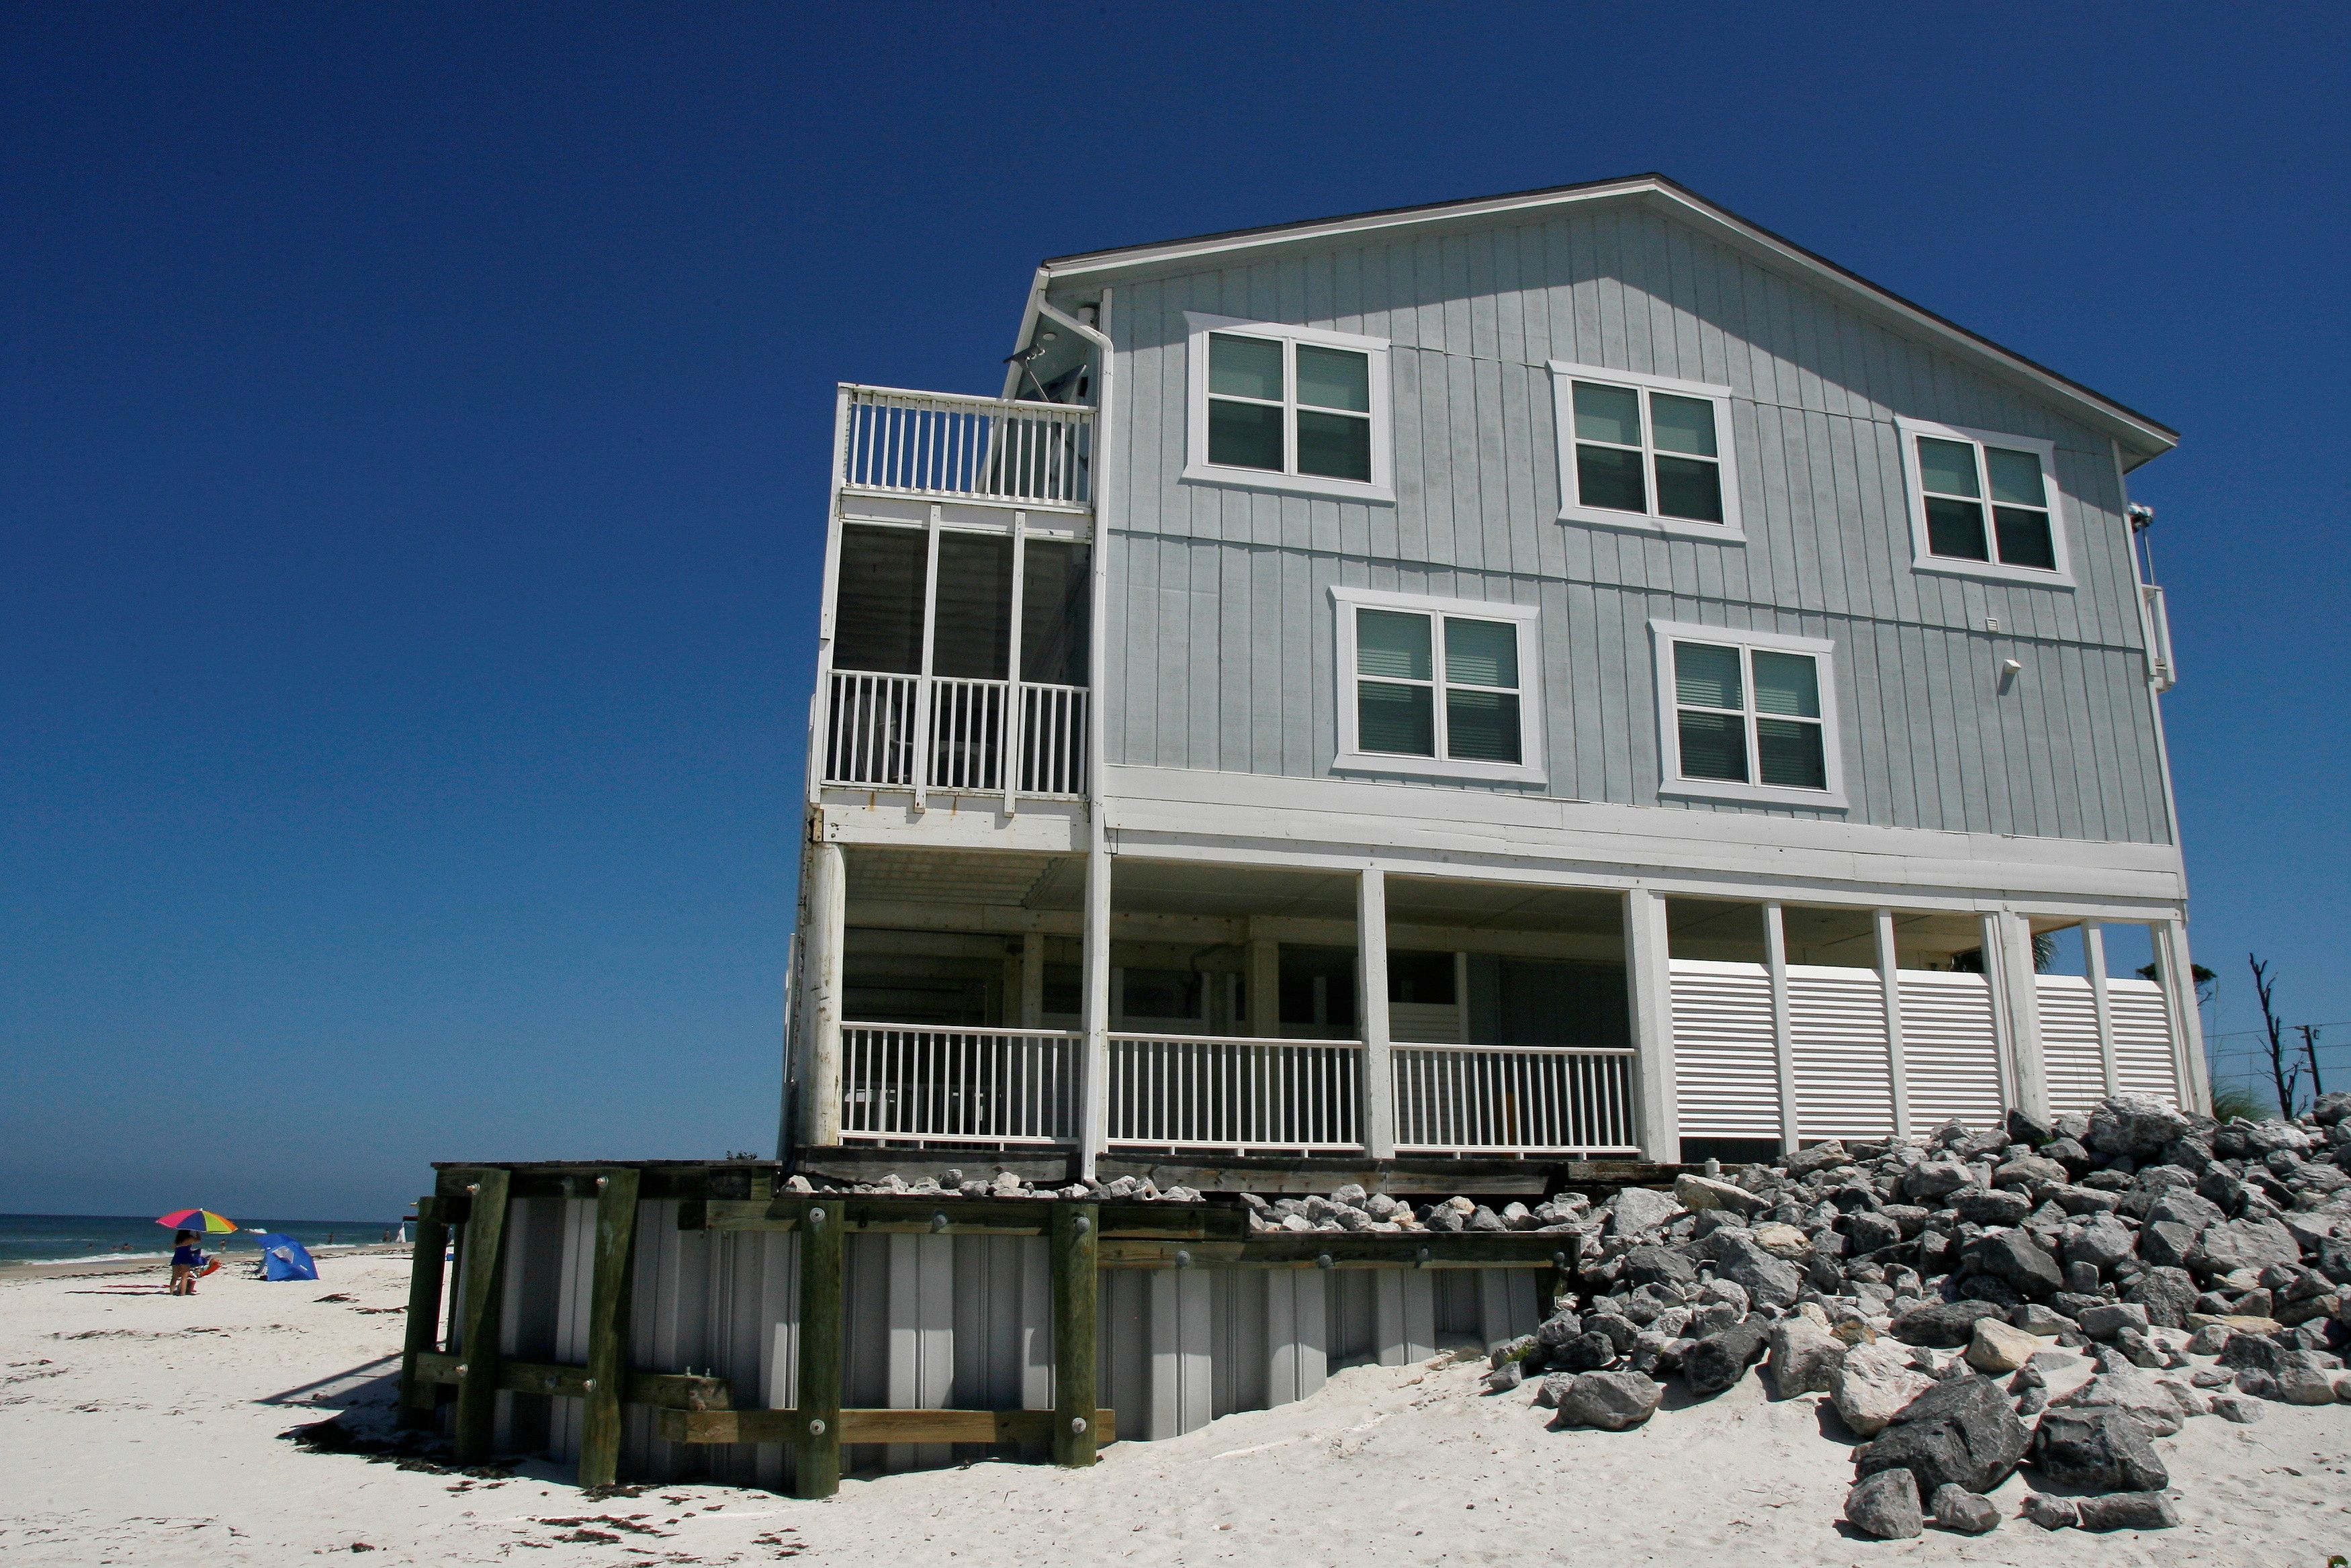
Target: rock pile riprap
x=2156, y=1267
x=1935, y=1289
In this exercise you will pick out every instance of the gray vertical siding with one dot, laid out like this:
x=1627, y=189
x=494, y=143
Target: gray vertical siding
x=1220, y=613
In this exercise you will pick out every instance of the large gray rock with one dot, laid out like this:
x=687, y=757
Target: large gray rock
x=1960, y=1431
x=1717, y=1361
x=1770, y=1281
x=2102, y=1242
x=2014, y=1256
x=1586, y=1352
x=1873, y=1383
x=1819, y=1156
x=2126, y=1510
x=1933, y=1179
x=2180, y=1207
x=1884, y=1504
x=1613, y=1401
x=2051, y=1511
x=2134, y=1125
x=2168, y=1295
x=1697, y=1193
x=1956, y=1507
x=2132, y=1391
x=2100, y=1448
x=2106, y=1322
x=1805, y=1356
x=1944, y=1324
x=2253, y=1244
x=1992, y=1206
x=1656, y=1266
x=1637, y=1210
x=2331, y=1108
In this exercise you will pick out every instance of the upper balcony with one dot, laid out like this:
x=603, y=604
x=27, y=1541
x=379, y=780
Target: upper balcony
x=941, y=447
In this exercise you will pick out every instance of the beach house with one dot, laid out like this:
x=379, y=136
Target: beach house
x=1413, y=696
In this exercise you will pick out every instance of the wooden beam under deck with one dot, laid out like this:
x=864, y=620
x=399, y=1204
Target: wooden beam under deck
x=870, y=1426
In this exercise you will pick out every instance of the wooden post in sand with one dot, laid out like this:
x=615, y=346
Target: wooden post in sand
x=477, y=1304
x=418, y=1401
x=607, y=1326
x=817, y=1472
x=1072, y=1231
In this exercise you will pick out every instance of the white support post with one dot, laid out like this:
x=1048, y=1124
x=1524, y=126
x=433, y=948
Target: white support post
x=1033, y=980
x=2093, y=959
x=2177, y=971
x=2029, y=1069
x=922, y=780
x=1784, y=1041
x=1648, y=977
x=827, y=909
x=1012, y=736
x=1093, y=1066
x=2003, y=1035
x=1372, y=1012
x=1264, y=986
x=1889, y=978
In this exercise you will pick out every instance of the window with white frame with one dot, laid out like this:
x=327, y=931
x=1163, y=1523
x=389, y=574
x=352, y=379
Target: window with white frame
x=1646, y=452
x=1287, y=407
x=1746, y=715
x=1984, y=505
x=1443, y=688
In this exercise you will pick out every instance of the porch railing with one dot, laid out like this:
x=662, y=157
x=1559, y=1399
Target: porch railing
x=957, y=1085
x=940, y=446
x=1531, y=1100
x=888, y=730
x=1173, y=1091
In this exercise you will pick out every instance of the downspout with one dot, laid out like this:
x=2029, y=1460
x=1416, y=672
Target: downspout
x=1092, y=1085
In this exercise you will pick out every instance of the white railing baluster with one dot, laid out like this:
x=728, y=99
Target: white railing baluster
x=956, y=1086
x=1520, y=1099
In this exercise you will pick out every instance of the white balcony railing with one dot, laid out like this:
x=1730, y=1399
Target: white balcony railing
x=1172, y=1091
x=938, y=446
x=949, y=734
x=957, y=1085
x=1531, y=1100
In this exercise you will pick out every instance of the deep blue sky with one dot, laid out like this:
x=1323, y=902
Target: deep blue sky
x=412, y=429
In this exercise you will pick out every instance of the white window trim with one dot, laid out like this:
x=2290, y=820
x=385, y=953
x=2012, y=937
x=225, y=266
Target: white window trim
x=1352, y=758
x=1729, y=531
x=1663, y=635
x=1199, y=470
x=1924, y=560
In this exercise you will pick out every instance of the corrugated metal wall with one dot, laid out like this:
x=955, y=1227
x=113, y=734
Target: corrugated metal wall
x=1221, y=626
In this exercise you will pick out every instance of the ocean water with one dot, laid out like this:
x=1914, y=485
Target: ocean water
x=51, y=1237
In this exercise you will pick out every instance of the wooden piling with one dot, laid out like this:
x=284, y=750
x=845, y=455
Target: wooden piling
x=418, y=1399
x=482, y=1270
x=1074, y=1231
x=607, y=1326
x=822, y=1232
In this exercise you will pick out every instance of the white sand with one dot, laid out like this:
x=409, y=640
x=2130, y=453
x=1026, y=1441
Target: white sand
x=138, y=1427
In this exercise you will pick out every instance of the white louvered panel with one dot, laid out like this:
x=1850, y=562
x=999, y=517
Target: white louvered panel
x=1837, y=1029
x=2069, y=1042
x=1726, y=1074
x=2143, y=1057
x=1950, y=1057
x=1425, y=1022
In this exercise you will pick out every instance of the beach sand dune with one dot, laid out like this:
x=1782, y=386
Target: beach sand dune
x=139, y=1428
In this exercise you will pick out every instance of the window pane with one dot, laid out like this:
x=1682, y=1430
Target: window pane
x=1334, y=378
x=2015, y=476
x=1789, y=754
x=1244, y=366
x=1682, y=425
x=1392, y=643
x=1714, y=746
x=1336, y=446
x=1948, y=467
x=1481, y=652
x=1690, y=488
x=1787, y=683
x=2024, y=538
x=1244, y=435
x=1481, y=726
x=1610, y=477
x=1955, y=529
x=1706, y=676
x=973, y=639
x=1401, y=719
x=1607, y=413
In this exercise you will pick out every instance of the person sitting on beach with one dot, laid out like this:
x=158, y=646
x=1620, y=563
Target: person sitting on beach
x=187, y=1262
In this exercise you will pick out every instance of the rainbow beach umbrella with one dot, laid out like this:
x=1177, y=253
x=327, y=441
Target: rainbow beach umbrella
x=203, y=1219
